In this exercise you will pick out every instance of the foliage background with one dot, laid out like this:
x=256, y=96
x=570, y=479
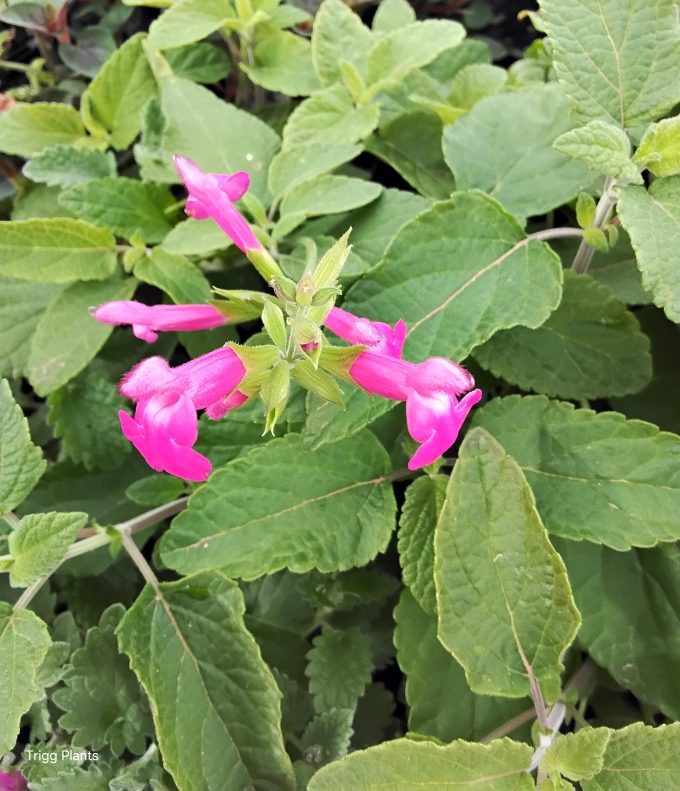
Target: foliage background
x=345, y=602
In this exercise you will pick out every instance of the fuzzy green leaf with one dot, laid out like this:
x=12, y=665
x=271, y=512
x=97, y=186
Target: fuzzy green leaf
x=597, y=477
x=216, y=706
x=659, y=149
x=84, y=413
x=125, y=206
x=21, y=462
x=21, y=307
x=458, y=252
x=187, y=21
x=329, y=195
x=24, y=641
x=429, y=668
x=503, y=595
x=652, y=218
x=590, y=347
x=640, y=758
x=601, y=146
x=618, y=62
x=67, y=337
x=578, y=755
x=38, y=544
x=56, y=250
x=508, y=160
x=26, y=129
x=340, y=667
x=406, y=765
x=339, y=34
x=102, y=700
x=282, y=61
x=419, y=515
x=253, y=527
x=181, y=280
x=64, y=166
x=115, y=97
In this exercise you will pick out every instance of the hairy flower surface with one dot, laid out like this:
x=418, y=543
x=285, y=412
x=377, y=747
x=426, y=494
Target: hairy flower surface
x=213, y=195
x=165, y=425
x=12, y=781
x=148, y=320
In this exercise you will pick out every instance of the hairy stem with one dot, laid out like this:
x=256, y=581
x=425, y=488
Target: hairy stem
x=138, y=559
x=511, y=725
x=605, y=207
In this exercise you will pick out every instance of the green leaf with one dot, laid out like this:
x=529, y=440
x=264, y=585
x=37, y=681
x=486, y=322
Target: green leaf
x=329, y=117
x=21, y=461
x=659, y=149
x=375, y=225
x=114, y=99
x=67, y=337
x=125, y=206
x=617, y=63
x=406, y=765
x=618, y=270
x=64, y=166
x=84, y=414
x=508, y=160
x=616, y=589
x=339, y=491
x=155, y=490
x=329, y=195
x=189, y=20
x=216, y=706
x=21, y=306
x=327, y=422
x=597, y=477
x=601, y=146
x=457, y=252
x=296, y=164
x=201, y=62
x=26, y=129
x=411, y=144
x=217, y=135
x=340, y=667
x=339, y=34
x=397, y=54
x=639, y=758
x=283, y=62
x=419, y=514
x=475, y=82
x=102, y=700
x=391, y=15
x=503, y=595
x=590, y=347
x=655, y=403
x=579, y=755
x=652, y=218
x=24, y=641
x=181, y=280
x=429, y=669
x=586, y=210
x=196, y=237
x=327, y=736
x=56, y=250
x=39, y=543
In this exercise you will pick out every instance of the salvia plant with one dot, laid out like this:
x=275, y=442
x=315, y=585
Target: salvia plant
x=341, y=366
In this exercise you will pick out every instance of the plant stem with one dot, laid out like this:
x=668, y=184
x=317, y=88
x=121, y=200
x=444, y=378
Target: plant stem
x=11, y=519
x=603, y=211
x=126, y=530
x=138, y=559
x=555, y=233
x=511, y=725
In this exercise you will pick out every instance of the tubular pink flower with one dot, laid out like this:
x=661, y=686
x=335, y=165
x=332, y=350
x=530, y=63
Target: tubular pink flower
x=148, y=320
x=380, y=337
x=434, y=416
x=12, y=781
x=213, y=195
x=165, y=425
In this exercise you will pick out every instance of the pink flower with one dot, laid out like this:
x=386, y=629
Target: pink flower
x=165, y=426
x=364, y=332
x=434, y=415
x=213, y=195
x=12, y=781
x=148, y=320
